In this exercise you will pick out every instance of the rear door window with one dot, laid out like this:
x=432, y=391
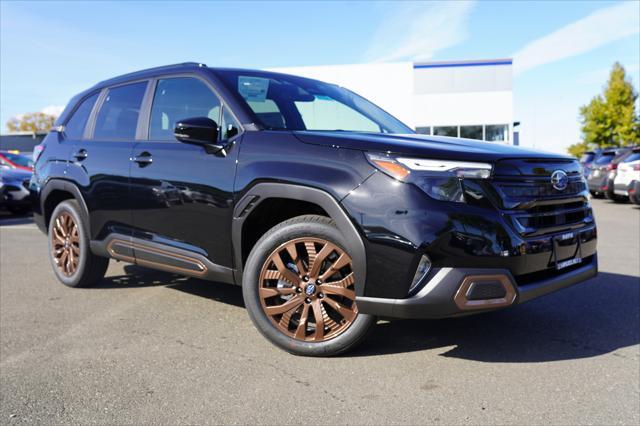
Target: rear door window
x=118, y=116
x=74, y=129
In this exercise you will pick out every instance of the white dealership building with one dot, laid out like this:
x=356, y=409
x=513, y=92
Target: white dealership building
x=471, y=99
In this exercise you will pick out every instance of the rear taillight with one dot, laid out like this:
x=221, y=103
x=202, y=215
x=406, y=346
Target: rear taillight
x=612, y=167
x=636, y=167
x=37, y=152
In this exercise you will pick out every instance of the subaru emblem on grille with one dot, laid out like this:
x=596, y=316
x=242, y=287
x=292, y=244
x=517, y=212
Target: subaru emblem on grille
x=559, y=180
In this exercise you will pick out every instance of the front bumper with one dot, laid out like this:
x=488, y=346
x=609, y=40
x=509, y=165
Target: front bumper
x=445, y=295
x=621, y=189
x=14, y=195
x=598, y=183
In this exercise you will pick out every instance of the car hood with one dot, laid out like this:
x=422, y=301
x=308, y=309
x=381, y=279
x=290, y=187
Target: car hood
x=14, y=175
x=425, y=146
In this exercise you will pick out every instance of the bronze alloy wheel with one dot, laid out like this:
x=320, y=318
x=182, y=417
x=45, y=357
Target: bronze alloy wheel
x=306, y=288
x=65, y=243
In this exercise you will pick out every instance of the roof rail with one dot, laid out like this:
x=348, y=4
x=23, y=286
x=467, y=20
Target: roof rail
x=181, y=64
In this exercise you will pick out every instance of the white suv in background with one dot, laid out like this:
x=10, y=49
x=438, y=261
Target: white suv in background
x=627, y=178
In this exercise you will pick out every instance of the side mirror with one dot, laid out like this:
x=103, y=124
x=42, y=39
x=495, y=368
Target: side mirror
x=199, y=131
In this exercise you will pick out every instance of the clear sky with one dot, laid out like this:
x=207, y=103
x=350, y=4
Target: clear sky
x=562, y=51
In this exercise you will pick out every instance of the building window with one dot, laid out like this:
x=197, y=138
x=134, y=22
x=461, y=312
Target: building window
x=426, y=130
x=446, y=131
x=497, y=132
x=471, y=132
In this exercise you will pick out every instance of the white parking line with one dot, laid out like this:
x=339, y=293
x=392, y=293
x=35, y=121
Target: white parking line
x=18, y=222
x=30, y=226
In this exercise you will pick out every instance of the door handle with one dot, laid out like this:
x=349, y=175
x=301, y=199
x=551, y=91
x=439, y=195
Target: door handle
x=144, y=159
x=81, y=155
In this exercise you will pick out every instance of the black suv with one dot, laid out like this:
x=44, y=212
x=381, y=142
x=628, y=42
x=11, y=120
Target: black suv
x=327, y=210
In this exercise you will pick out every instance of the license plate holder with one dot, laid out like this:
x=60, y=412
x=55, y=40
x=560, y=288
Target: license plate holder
x=567, y=250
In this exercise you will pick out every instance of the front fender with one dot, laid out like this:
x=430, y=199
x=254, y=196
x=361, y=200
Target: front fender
x=264, y=191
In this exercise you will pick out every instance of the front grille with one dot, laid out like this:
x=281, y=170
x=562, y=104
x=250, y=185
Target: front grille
x=541, y=189
x=535, y=207
x=552, y=216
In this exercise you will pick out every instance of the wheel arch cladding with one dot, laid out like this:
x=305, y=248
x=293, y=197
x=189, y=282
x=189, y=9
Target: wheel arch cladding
x=56, y=191
x=326, y=204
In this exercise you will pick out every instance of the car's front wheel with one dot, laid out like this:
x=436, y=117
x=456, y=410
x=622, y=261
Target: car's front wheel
x=299, y=288
x=71, y=258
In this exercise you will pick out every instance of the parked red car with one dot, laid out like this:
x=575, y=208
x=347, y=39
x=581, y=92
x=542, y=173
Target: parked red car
x=15, y=161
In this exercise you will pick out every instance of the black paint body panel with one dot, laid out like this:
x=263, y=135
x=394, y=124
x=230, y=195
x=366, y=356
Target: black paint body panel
x=190, y=201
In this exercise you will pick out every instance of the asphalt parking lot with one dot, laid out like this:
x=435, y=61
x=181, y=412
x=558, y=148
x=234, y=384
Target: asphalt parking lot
x=149, y=347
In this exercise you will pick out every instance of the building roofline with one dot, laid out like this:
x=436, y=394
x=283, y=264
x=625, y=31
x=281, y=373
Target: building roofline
x=467, y=63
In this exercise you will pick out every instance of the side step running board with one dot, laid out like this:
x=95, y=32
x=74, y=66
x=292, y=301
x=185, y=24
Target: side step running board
x=161, y=256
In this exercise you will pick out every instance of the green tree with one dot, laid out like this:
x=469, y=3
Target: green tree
x=610, y=119
x=32, y=122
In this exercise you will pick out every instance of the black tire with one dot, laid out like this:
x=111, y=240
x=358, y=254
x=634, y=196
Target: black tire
x=90, y=268
x=308, y=226
x=596, y=194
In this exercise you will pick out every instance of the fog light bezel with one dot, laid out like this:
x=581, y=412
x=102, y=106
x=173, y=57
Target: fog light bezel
x=460, y=298
x=420, y=275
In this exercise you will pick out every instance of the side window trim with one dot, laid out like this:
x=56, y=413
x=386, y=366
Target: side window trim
x=100, y=102
x=91, y=124
x=145, y=113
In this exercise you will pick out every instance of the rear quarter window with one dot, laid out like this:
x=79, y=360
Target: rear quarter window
x=74, y=129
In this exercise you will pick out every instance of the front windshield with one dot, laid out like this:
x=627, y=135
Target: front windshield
x=587, y=156
x=282, y=102
x=605, y=158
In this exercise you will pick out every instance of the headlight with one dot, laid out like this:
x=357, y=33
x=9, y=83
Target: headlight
x=454, y=168
x=440, y=179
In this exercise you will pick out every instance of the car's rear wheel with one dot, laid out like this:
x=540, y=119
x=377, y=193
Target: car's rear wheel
x=299, y=288
x=71, y=259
